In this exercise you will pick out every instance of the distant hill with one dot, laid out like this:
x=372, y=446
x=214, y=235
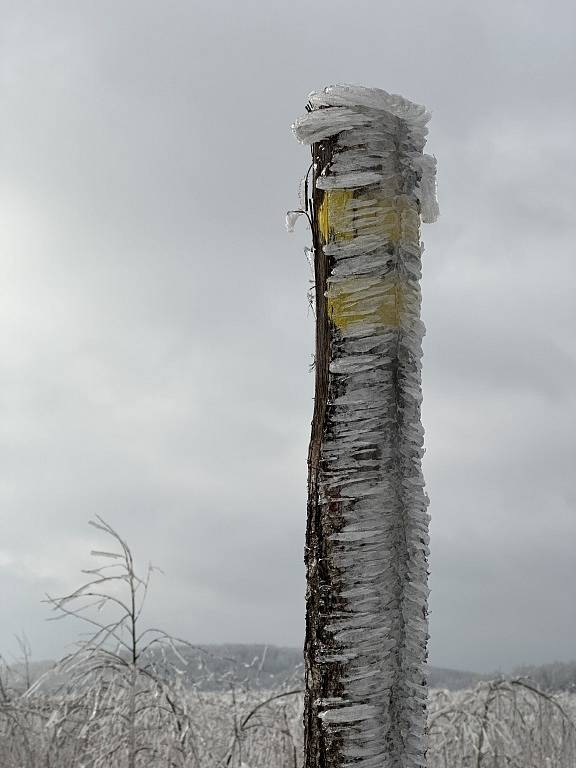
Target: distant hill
x=19, y=676
x=215, y=667
x=453, y=679
x=558, y=676
x=261, y=666
x=270, y=666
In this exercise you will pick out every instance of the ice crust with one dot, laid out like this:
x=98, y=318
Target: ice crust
x=373, y=441
x=343, y=108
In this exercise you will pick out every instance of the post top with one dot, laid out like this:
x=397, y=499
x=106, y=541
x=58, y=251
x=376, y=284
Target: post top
x=339, y=108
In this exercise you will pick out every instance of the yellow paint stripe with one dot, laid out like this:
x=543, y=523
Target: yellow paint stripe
x=375, y=301
x=343, y=215
x=332, y=213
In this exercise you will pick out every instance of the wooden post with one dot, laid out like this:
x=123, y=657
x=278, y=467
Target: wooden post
x=367, y=538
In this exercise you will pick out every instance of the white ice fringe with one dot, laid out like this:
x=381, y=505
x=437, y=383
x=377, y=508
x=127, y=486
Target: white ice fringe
x=291, y=219
x=373, y=440
x=340, y=108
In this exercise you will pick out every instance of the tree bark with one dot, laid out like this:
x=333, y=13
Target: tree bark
x=320, y=592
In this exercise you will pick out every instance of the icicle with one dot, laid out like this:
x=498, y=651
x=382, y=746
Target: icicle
x=291, y=219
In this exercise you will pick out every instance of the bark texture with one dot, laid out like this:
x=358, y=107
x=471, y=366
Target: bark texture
x=367, y=538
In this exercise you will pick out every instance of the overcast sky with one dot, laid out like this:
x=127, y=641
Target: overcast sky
x=155, y=338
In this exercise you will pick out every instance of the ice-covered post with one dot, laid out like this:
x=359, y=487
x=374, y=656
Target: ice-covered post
x=367, y=531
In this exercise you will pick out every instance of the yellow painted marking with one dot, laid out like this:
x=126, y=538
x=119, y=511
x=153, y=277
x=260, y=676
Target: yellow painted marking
x=333, y=209
x=377, y=301
x=400, y=219
x=348, y=213
x=343, y=214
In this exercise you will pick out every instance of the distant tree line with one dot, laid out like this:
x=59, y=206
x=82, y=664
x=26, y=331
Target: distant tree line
x=558, y=676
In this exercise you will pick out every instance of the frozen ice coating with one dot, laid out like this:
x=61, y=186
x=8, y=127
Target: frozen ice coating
x=367, y=535
x=291, y=219
x=341, y=108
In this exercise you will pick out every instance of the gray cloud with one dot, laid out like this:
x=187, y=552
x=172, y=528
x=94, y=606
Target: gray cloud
x=155, y=331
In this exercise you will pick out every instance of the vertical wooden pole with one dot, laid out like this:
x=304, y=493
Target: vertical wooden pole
x=320, y=683
x=366, y=539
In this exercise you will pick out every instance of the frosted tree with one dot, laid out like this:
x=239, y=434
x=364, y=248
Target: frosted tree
x=118, y=703
x=368, y=189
